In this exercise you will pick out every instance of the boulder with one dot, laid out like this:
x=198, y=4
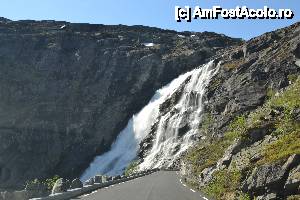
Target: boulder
x=231, y=150
x=293, y=182
x=61, y=185
x=76, y=183
x=266, y=176
x=292, y=162
x=271, y=196
x=272, y=176
x=258, y=133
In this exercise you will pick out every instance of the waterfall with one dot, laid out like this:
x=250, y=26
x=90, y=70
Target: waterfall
x=168, y=145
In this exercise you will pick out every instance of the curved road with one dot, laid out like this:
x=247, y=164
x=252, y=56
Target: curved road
x=162, y=185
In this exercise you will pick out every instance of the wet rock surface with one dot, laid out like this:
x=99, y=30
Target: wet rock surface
x=67, y=90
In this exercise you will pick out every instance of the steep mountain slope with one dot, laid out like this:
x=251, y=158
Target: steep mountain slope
x=66, y=90
x=250, y=126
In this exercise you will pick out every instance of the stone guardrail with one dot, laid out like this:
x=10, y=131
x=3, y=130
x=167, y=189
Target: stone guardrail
x=90, y=188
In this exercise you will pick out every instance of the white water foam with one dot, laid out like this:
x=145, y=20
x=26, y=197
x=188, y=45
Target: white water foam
x=125, y=148
x=169, y=144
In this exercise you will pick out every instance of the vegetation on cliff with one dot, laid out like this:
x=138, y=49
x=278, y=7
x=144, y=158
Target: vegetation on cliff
x=278, y=117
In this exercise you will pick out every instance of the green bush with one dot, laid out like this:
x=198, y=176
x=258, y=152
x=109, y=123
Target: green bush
x=131, y=168
x=51, y=181
x=48, y=183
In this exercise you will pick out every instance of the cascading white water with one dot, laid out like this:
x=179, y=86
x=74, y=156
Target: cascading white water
x=168, y=145
x=166, y=142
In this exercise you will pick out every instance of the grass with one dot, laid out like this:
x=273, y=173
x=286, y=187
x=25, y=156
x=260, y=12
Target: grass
x=289, y=99
x=206, y=155
x=284, y=147
x=287, y=128
x=237, y=129
x=225, y=184
x=292, y=78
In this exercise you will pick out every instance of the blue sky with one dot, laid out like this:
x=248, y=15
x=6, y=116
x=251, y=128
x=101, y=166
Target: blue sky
x=158, y=13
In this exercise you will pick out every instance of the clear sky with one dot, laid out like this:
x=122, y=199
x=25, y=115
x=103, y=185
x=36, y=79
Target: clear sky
x=157, y=13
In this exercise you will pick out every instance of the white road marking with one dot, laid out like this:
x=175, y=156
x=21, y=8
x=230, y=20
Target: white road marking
x=90, y=193
x=180, y=180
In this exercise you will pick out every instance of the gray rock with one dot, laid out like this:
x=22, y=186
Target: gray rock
x=293, y=182
x=272, y=196
x=292, y=161
x=266, y=176
x=61, y=185
x=296, y=114
x=231, y=150
x=260, y=132
x=76, y=183
x=271, y=177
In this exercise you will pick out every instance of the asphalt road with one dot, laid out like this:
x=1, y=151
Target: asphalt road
x=162, y=185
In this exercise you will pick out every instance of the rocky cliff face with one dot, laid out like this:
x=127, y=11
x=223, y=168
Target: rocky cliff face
x=66, y=90
x=250, y=126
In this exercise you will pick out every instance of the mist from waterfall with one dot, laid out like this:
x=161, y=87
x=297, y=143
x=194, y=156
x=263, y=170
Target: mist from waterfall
x=167, y=145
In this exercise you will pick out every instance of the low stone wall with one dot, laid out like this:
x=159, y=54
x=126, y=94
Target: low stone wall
x=90, y=188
